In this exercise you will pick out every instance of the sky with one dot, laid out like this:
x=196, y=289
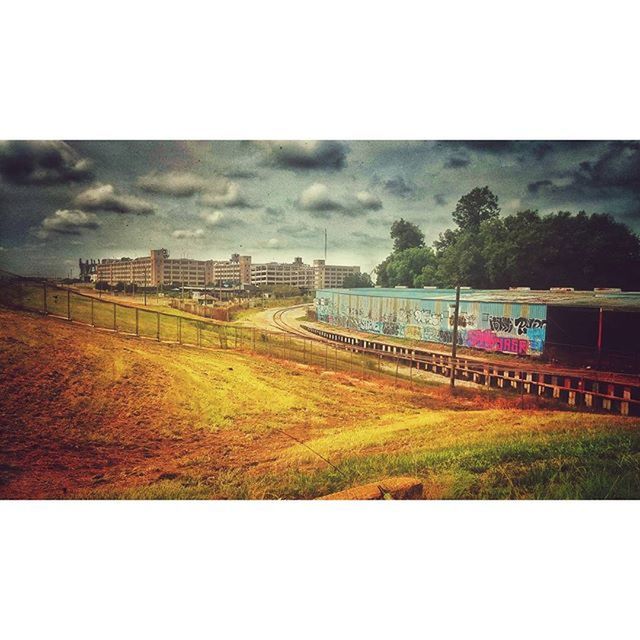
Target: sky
x=60, y=201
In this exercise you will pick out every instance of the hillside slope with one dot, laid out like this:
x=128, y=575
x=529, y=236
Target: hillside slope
x=86, y=413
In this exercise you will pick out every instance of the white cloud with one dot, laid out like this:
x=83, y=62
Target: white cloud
x=180, y=184
x=317, y=198
x=103, y=197
x=319, y=201
x=213, y=218
x=67, y=222
x=275, y=243
x=369, y=200
x=188, y=233
x=215, y=191
x=223, y=193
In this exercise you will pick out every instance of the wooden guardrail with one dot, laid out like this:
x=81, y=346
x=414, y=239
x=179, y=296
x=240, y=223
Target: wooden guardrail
x=574, y=389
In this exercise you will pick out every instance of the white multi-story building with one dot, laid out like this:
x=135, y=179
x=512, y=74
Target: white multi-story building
x=295, y=274
x=331, y=276
x=158, y=269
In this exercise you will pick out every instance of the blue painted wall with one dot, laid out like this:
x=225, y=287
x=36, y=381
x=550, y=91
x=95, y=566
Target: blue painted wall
x=491, y=326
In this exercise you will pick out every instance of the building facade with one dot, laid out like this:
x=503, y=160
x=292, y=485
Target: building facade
x=236, y=270
x=329, y=276
x=153, y=270
x=295, y=274
x=581, y=327
x=158, y=269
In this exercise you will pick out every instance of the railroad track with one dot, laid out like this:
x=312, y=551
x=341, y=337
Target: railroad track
x=280, y=322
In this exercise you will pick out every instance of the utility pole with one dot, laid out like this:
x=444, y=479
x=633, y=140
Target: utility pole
x=454, y=339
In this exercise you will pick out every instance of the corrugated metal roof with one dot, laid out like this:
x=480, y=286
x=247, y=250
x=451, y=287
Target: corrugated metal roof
x=608, y=300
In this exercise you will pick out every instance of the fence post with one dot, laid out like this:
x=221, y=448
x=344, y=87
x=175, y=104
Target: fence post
x=158, y=326
x=180, y=329
x=253, y=337
x=311, y=352
x=115, y=326
x=326, y=355
x=198, y=334
x=137, y=323
x=235, y=332
x=411, y=371
x=68, y=304
x=336, y=350
x=93, y=322
x=395, y=382
x=44, y=299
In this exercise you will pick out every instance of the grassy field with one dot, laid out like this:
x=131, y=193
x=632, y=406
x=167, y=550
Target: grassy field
x=91, y=414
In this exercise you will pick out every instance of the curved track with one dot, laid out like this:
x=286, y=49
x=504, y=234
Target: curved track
x=280, y=321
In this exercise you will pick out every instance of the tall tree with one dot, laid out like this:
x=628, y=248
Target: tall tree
x=357, y=281
x=476, y=207
x=406, y=235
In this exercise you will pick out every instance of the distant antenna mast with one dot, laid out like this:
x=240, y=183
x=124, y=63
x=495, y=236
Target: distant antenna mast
x=325, y=244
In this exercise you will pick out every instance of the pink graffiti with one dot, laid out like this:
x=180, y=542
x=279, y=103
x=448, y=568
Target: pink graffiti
x=487, y=339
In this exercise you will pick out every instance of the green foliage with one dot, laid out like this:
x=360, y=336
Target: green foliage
x=357, y=281
x=406, y=235
x=476, y=207
x=409, y=267
x=526, y=249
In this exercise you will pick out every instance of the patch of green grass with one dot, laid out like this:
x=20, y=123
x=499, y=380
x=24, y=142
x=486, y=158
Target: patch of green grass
x=591, y=465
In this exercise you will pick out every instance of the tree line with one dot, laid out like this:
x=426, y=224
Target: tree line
x=526, y=249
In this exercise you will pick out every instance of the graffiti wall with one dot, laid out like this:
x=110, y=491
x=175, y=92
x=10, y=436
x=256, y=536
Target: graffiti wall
x=510, y=328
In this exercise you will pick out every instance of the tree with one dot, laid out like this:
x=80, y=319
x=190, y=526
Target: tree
x=357, y=281
x=477, y=206
x=406, y=235
x=403, y=267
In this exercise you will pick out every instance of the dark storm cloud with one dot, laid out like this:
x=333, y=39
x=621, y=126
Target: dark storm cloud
x=42, y=163
x=489, y=146
x=523, y=150
x=439, y=199
x=103, y=197
x=457, y=162
x=541, y=150
x=400, y=187
x=305, y=155
x=615, y=172
x=617, y=167
x=535, y=187
x=240, y=174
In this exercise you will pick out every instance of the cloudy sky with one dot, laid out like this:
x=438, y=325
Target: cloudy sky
x=60, y=201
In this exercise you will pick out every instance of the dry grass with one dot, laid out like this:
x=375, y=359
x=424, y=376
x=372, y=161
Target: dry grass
x=87, y=413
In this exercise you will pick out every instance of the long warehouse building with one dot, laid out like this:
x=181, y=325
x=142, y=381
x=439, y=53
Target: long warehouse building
x=584, y=327
x=158, y=269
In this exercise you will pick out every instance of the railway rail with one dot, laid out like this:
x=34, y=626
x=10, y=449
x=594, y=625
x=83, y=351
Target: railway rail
x=592, y=390
x=575, y=388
